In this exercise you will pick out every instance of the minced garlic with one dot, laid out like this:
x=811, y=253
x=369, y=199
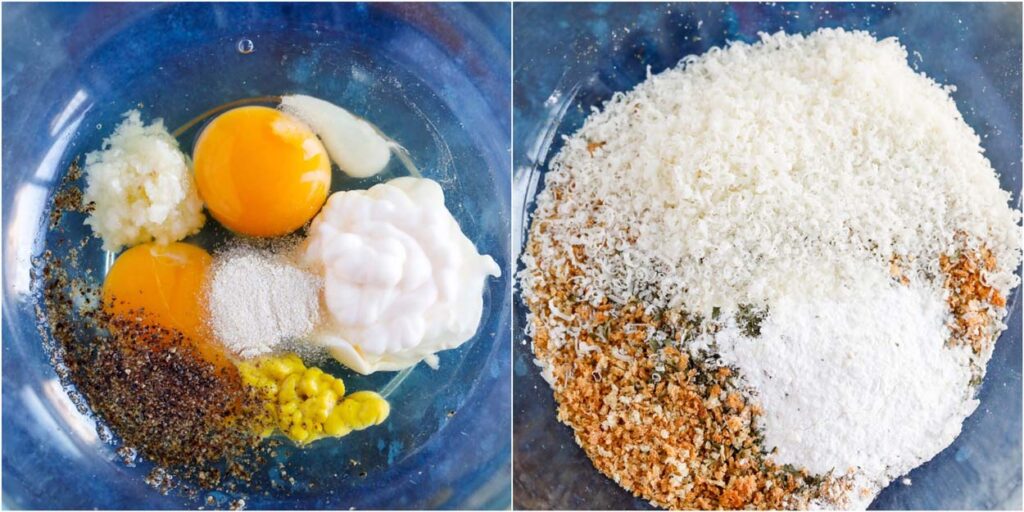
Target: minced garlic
x=140, y=187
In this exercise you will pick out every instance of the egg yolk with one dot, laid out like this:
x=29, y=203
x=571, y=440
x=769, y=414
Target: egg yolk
x=260, y=171
x=164, y=284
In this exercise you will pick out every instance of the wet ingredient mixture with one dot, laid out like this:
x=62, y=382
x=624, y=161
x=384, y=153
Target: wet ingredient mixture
x=193, y=359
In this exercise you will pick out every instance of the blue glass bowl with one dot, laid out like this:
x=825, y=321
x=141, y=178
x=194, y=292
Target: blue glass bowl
x=433, y=76
x=570, y=58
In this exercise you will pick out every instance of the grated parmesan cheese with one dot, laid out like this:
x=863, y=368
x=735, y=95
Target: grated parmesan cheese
x=756, y=172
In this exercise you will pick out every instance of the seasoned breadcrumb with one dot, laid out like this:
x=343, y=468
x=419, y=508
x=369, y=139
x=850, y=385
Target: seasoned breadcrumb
x=670, y=429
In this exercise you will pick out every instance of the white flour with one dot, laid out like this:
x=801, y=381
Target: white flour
x=257, y=301
x=856, y=383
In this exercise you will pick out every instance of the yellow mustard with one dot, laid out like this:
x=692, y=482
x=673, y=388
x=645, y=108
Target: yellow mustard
x=307, y=404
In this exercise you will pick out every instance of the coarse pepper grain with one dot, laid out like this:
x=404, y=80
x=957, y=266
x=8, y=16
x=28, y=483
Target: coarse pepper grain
x=68, y=198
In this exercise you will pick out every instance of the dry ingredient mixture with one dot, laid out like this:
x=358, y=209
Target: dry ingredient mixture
x=770, y=277
x=257, y=301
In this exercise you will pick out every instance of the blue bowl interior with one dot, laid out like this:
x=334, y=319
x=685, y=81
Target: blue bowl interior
x=433, y=77
x=572, y=57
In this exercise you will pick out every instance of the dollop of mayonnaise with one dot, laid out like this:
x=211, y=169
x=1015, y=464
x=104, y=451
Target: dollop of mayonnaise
x=401, y=280
x=354, y=145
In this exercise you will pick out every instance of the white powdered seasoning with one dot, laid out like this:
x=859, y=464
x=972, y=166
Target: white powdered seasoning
x=257, y=300
x=786, y=176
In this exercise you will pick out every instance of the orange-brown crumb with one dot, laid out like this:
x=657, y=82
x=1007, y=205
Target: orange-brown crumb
x=672, y=430
x=971, y=300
